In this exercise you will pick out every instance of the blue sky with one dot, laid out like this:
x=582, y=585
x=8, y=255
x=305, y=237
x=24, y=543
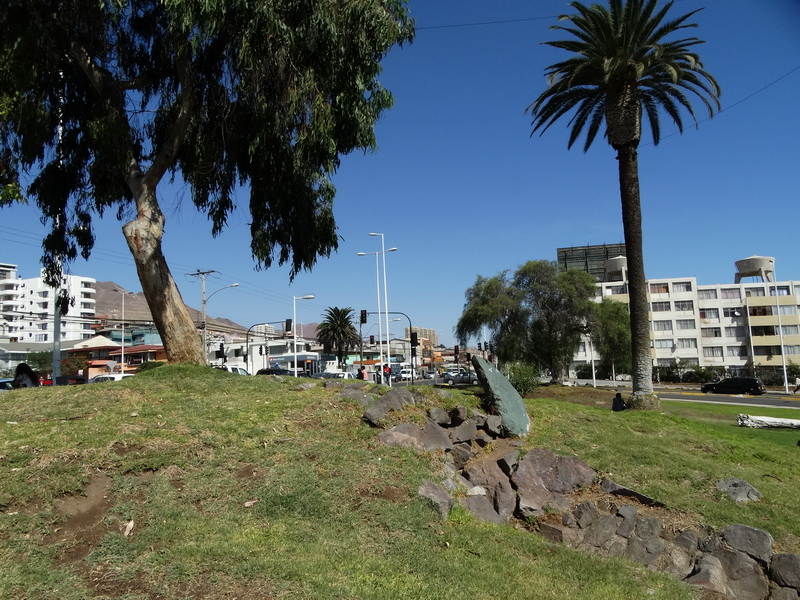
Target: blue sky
x=460, y=187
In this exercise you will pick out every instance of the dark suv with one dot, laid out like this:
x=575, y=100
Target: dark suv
x=735, y=385
x=273, y=371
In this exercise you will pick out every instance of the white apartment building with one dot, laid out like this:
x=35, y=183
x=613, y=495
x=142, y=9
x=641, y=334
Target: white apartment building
x=732, y=326
x=27, y=308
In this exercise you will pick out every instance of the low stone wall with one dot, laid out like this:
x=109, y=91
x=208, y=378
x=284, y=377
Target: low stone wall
x=497, y=486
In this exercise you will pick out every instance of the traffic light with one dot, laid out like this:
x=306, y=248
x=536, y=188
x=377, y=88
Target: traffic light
x=479, y=346
x=287, y=327
x=261, y=350
x=455, y=350
x=469, y=356
x=372, y=340
x=414, y=339
x=363, y=316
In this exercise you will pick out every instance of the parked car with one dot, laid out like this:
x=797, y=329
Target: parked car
x=455, y=373
x=109, y=377
x=333, y=375
x=234, y=370
x=461, y=378
x=406, y=375
x=735, y=385
x=5, y=384
x=273, y=371
x=431, y=374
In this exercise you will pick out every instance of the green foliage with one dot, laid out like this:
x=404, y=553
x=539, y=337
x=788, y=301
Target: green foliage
x=41, y=362
x=525, y=377
x=265, y=95
x=537, y=315
x=610, y=331
x=338, y=332
x=150, y=365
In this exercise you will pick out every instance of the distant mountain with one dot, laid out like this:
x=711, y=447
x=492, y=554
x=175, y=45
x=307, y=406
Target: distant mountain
x=108, y=305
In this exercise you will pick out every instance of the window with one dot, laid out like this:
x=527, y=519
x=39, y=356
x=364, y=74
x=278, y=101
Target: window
x=660, y=306
x=736, y=350
x=759, y=330
x=663, y=343
x=662, y=325
x=734, y=332
x=712, y=352
x=782, y=290
x=760, y=311
x=687, y=343
x=659, y=288
x=707, y=294
x=690, y=362
x=686, y=324
x=684, y=305
x=664, y=362
x=792, y=349
x=768, y=351
x=732, y=312
x=789, y=309
x=682, y=286
x=791, y=329
x=709, y=314
x=582, y=347
x=40, y=337
x=731, y=294
x=618, y=289
x=754, y=292
x=710, y=332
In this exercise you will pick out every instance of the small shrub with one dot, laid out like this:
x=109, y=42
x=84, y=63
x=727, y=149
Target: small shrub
x=525, y=377
x=150, y=365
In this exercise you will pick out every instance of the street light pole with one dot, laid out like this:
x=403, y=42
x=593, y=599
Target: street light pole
x=386, y=299
x=122, y=357
x=294, y=324
x=380, y=327
x=204, y=300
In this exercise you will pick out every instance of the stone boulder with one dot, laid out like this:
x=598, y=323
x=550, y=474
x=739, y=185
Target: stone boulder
x=502, y=399
x=543, y=479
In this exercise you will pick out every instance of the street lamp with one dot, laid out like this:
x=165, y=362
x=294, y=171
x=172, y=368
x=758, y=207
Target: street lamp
x=205, y=347
x=380, y=327
x=122, y=358
x=294, y=324
x=385, y=295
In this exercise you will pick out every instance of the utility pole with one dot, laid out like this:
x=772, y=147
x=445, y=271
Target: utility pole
x=202, y=275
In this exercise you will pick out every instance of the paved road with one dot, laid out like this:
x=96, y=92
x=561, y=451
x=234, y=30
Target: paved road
x=771, y=399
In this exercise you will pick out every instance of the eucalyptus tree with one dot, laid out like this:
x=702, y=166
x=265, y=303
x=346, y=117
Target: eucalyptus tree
x=622, y=67
x=100, y=101
x=535, y=315
x=338, y=331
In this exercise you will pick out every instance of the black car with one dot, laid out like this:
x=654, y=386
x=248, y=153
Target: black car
x=273, y=371
x=735, y=385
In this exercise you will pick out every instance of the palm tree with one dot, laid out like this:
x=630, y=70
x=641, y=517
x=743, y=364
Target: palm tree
x=337, y=331
x=623, y=67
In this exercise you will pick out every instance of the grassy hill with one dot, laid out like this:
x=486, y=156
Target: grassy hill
x=188, y=482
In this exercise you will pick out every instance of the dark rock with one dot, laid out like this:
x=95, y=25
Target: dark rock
x=739, y=490
x=508, y=463
x=543, y=480
x=687, y=539
x=648, y=528
x=395, y=399
x=462, y=454
x=409, y=435
x=585, y=514
x=745, y=576
x=487, y=474
x=481, y=507
x=644, y=551
x=494, y=426
x=464, y=432
x=443, y=501
x=610, y=487
x=627, y=515
x=782, y=593
x=502, y=399
x=785, y=570
x=755, y=542
x=359, y=396
x=439, y=416
x=458, y=414
x=601, y=531
x=676, y=560
x=483, y=438
x=560, y=534
x=709, y=574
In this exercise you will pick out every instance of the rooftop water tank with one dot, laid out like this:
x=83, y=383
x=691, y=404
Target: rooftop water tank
x=755, y=266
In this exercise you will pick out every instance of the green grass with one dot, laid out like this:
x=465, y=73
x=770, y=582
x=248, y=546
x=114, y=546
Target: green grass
x=337, y=514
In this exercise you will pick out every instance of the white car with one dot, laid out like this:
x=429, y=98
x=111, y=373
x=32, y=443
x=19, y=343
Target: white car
x=334, y=375
x=407, y=375
x=109, y=377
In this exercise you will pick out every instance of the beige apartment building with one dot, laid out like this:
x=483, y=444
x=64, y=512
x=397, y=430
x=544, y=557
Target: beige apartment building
x=732, y=326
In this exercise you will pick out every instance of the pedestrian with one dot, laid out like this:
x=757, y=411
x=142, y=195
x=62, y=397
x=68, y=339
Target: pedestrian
x=387, y=373
x=360, y=374
x=24, y=377
x=618, y=404
x=796, y=384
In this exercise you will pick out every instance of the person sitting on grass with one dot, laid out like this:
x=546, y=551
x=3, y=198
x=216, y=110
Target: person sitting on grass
x=24, y=377
x=618, y=404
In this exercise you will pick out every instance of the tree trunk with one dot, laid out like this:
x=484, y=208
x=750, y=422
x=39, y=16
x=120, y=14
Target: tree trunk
x=171, y=317
x=641, y=357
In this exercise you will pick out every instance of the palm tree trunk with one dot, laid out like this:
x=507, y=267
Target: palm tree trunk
x=641, y=357
x=171, y=317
